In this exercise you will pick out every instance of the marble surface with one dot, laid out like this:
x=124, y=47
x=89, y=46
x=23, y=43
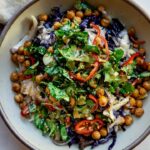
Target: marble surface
x=9, y=142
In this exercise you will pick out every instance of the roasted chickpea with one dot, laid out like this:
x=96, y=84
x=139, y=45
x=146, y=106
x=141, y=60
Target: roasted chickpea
x=77, y=19
x=72, y=102
x=14, y=57
x=20, y=75
x=79, y=14
x=105, y=22
x=19, y=98
x=142, y=91
x=148, y=66
x=146, y=85
x=20, y=58
x=132, y=111
x=142, y=51
x=103, y=132
x=50, y=49
x=65, y=20
x=132, y=102
x=135, y=94
x=14, y=76
x=128, y=120
x=88, y=12
x=57, y=25
x=26, y=63
x=16, y=87
x=96, y=135
x=103, y=101
x=139, y=112
x=26, y=53
x=139, y=61
x=21, y=50
x=70, y=14
x=101, y=8
x=100, y=91
x=43, y=17
x=27, y=43
x=96, y=13
x=39, y=78
x=139, y=103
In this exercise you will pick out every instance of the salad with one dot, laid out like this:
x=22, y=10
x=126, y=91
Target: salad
x=80, y=76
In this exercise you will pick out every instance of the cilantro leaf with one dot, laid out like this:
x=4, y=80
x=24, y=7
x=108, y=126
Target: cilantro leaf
x=127, y=88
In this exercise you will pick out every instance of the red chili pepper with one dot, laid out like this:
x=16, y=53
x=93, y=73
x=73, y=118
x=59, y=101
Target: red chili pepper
x=91, y=74
x=25, y=111
x=49, y=106
x=32, y=59
x=86, y=127
x=25, y=77
x=96, y=27
x=95, y=107
x=136, y=41
x=130, y=60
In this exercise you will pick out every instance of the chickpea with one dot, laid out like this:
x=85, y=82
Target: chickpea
x=16, y=87
x=20, y=75
x=79, y=14
x=105, y=22
x=65, y=20
x=139, y=112
x=135, y=94
x=20, y=58
x=96, y=135
x=26, y=63
x=132, y=102
x=139, y=103
x=88, y=12
x=132, y=111
x=100, y=91
x=96, y=13
x=148, y=66
x=103, y=101
x=128, y=120
x=131, y=31
x=101, y=8
x=50, y=49
x=142, y=91
x=43, y=17
x=103, y=132
x=14, y=76
x=146, y=85
x=72, y=102
x=70, y=14
x=14, y=57
x=39, y=78
x=77, y=19
x=21, y=50
x=142, y=51
x=26, y=53
x=139, y=61
x=57, y=25
x=27, y=43
x=19, y=98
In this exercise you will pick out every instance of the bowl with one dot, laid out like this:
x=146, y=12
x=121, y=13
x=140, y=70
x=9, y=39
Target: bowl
x=126, y=11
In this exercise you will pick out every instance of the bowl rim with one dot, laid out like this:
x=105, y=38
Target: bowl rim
x=2, y=112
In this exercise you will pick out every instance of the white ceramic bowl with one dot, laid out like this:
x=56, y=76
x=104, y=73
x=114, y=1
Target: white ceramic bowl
x=126, y=11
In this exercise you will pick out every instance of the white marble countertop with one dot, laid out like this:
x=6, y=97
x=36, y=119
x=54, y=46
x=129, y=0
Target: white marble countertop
x=9, y=142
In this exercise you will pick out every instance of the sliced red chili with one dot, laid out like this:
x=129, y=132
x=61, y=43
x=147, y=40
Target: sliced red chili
x=49, y=106
x=25, y=111
x=130, y=60
x=25, y=77
x=95, y=107
x=86, y=127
